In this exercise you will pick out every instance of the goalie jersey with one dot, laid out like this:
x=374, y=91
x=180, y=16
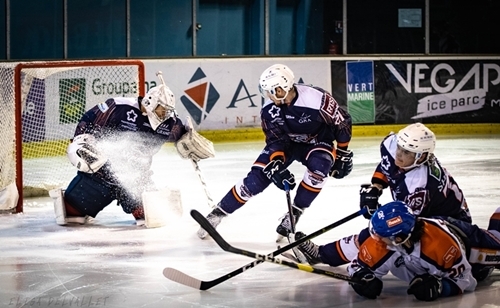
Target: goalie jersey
x=120, y=122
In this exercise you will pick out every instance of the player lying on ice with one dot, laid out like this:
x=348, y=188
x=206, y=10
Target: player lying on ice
x=438, y=258
x=414, y=175
x=300, y=123
x=113, y=148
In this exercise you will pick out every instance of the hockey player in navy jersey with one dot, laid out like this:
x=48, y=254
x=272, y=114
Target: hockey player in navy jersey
x=300, y=123
x=436, y=257
x=113, y=148
x=414, y=175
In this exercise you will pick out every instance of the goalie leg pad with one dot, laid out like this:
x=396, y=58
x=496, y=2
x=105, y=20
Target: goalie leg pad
x=162, y=207
x=88, y=195
x=59, y=208
x=9, y=197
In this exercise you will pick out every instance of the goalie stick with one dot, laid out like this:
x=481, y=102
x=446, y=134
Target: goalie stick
x=196, y=167
x=210, y=201
x=185, y=279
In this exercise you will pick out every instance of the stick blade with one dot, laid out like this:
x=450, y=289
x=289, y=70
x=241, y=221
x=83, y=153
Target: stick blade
x=182, y=278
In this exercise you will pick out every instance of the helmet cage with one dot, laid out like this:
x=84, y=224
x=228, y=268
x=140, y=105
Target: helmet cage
x=159, y=96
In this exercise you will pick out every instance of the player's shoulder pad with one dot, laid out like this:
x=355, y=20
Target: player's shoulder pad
x=373, y=252
x=438, y=246
x=129, y=101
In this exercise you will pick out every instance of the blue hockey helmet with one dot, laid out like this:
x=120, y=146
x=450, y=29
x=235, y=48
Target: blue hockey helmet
x=392, y=223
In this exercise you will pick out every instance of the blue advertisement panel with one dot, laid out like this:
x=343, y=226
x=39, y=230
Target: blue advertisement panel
x=360, y=91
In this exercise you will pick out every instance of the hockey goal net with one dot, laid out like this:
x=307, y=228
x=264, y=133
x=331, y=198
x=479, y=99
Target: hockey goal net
x=40, y=106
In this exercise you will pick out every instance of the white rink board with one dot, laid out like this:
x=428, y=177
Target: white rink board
x=235, y=80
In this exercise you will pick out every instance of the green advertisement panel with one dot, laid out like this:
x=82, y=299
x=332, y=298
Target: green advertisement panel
x=72, y=95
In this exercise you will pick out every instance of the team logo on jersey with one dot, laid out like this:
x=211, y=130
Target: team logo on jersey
x=201, y=98
x=400, y=261
x=131, y=116
x=434, y=171
x=274, y=111
x=450, y=254
x=329, y=106
x=305, y=118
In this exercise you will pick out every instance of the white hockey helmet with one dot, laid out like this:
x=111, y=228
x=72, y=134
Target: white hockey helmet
x=418, y=139
x=160, y=95
x=277, y=75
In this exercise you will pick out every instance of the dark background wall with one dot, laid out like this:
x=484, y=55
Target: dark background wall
x=33, y=29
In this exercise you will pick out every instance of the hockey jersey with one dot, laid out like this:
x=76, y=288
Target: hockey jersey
x=120, y=123
x=439, y=252
x=313, y=117
x=429, y=190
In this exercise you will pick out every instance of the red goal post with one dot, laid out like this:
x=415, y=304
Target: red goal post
x=41, y=103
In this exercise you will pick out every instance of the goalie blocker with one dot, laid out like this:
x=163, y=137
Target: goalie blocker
x=193, y=145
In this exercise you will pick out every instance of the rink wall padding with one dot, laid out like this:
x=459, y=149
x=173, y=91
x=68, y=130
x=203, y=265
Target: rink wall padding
x=256, y=134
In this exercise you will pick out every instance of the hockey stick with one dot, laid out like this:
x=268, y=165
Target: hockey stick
x=291, y=237
x=196, y=167
x=205, y=224
x=180, y=277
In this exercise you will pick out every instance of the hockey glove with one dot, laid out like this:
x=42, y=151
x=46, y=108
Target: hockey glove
x=426, y=287
x=342, y=165
x=372, y=286
x=278, y=174
x=368, y=198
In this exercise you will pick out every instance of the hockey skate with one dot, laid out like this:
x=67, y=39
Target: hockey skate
x=215, y=217
x=308, y=249
x=285, y=227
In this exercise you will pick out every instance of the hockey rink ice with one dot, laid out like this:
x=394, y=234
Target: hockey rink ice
x=112, y=263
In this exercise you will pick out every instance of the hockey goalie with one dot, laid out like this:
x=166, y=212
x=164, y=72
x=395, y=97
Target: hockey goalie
x=112, y=149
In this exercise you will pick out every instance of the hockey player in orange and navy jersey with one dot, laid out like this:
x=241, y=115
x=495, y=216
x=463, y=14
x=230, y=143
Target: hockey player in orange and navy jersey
x=113, y=148
x=436, y=257
x=301, y=123
x=414, y=175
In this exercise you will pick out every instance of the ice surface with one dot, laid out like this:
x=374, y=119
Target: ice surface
x=113, y=263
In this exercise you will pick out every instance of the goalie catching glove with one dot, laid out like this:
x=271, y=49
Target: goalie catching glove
x=84, y=155
x=342, y=165
x=193, y=145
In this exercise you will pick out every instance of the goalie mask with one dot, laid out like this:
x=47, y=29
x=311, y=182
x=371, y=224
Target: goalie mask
x=392, y=223
x=278, y=75
x=159, y=103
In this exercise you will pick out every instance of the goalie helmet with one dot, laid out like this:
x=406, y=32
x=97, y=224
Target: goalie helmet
x=278, y=75
x=159, y=103
x=418, y=139
x=392, y=223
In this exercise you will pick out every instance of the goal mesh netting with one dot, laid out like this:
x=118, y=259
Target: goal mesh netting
x=41, y=104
